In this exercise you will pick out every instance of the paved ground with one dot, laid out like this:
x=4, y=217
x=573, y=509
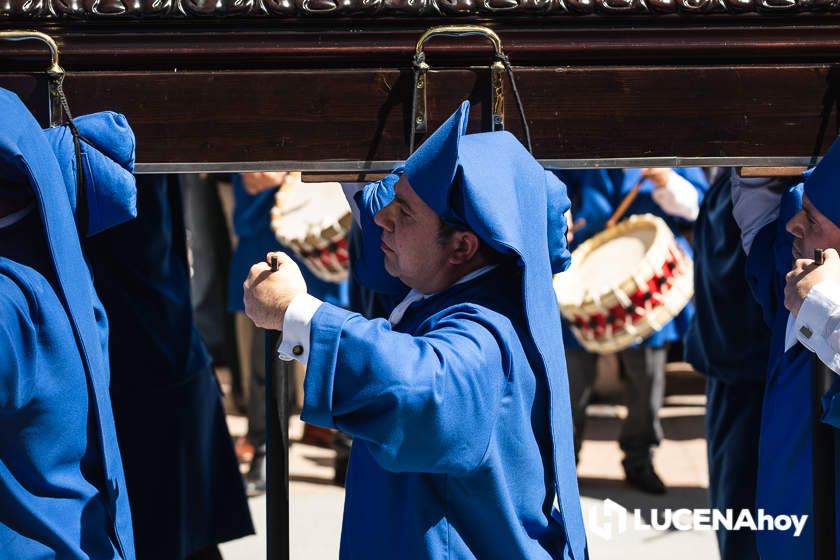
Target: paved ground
x=681, y=460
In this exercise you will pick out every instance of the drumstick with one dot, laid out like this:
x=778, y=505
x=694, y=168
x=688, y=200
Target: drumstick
x=818, y=257
x=625, y=204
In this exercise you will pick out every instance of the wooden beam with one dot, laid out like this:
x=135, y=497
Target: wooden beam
x=217, y=96
x=575, y=114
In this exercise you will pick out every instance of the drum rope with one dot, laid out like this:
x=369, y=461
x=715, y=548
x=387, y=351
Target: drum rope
x=504, y=59
x=81, y=194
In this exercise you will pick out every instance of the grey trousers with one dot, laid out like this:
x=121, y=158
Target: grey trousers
x=644, y=391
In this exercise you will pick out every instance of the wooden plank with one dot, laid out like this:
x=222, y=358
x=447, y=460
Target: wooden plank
x=589, y=113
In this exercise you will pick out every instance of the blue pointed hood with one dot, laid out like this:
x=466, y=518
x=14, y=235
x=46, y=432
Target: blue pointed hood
x=821, y=184
x=108, y=163
x=446, y=168
x=491, y=184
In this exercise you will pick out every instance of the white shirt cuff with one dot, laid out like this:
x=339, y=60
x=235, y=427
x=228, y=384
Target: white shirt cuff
x=678, y=198
x=818, y=323
x=296, y=327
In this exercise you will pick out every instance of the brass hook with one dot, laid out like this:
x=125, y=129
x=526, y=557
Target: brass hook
x=460, y=31
x=55, y=72
x=421, y=69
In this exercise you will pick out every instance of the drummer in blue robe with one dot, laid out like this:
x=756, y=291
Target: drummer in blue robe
x=186, y=490
x=775, y=231
x=62, y=489
x=458, y=404
x=731, y=350
x=675, y=196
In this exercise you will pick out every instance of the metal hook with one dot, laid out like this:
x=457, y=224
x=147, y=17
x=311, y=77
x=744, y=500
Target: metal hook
x=421, y=68
x=55, y=72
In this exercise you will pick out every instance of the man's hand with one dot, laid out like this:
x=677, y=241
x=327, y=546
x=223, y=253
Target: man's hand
x=268, y=294
x=658, y=175
x=805, y=275
x=256, y=183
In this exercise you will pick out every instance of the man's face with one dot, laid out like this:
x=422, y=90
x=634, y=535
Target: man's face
x=410, y=239
x=812, y=230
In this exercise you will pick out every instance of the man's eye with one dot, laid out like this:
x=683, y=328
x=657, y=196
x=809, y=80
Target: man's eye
x=404, y=213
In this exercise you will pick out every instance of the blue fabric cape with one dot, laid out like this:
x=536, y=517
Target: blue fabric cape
x=26, y=157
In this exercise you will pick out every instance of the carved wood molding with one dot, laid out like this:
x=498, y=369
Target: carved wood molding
x=199, y=9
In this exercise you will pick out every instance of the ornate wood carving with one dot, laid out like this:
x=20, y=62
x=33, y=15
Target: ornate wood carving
x=186, y=9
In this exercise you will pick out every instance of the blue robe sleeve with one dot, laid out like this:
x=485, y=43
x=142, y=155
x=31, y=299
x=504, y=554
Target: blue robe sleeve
x=424, y=403
x=18, y=338
x=107, y=152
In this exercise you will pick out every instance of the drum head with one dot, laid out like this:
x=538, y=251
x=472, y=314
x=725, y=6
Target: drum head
x=607, y=265
x=310, y=207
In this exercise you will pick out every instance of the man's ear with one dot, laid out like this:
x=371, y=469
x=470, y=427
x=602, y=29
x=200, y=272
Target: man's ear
x=465, y=245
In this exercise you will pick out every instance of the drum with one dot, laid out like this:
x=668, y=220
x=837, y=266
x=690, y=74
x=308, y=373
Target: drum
x=624, y=284
x=314, y=220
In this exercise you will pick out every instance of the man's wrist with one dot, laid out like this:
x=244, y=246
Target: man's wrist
x=296, y=327
x=816, y=309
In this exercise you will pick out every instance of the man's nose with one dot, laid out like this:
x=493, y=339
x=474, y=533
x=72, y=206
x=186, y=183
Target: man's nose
x=384, y=218
x=794, y=225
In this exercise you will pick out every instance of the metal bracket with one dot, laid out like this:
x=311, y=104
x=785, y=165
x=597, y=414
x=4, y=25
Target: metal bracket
x=421, y=69
x=55, y=72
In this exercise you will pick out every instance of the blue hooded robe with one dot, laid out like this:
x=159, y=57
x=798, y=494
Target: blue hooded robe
x=728, y=342
x=596, y=193
x=62, y=489
x=459, y=412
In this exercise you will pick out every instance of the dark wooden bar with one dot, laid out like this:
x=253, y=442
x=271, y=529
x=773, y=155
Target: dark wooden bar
x=598, y=113
x=212, y=93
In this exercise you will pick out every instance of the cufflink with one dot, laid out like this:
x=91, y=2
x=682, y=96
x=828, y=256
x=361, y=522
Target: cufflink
x=297, y=350
x=806, y=332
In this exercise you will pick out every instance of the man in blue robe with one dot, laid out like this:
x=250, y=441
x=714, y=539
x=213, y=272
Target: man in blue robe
x=776, y=229
x=458, y=404
x=731, y=350
x=62, y=489
x=675, y=196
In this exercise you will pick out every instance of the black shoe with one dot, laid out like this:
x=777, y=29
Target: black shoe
x=645, y=479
